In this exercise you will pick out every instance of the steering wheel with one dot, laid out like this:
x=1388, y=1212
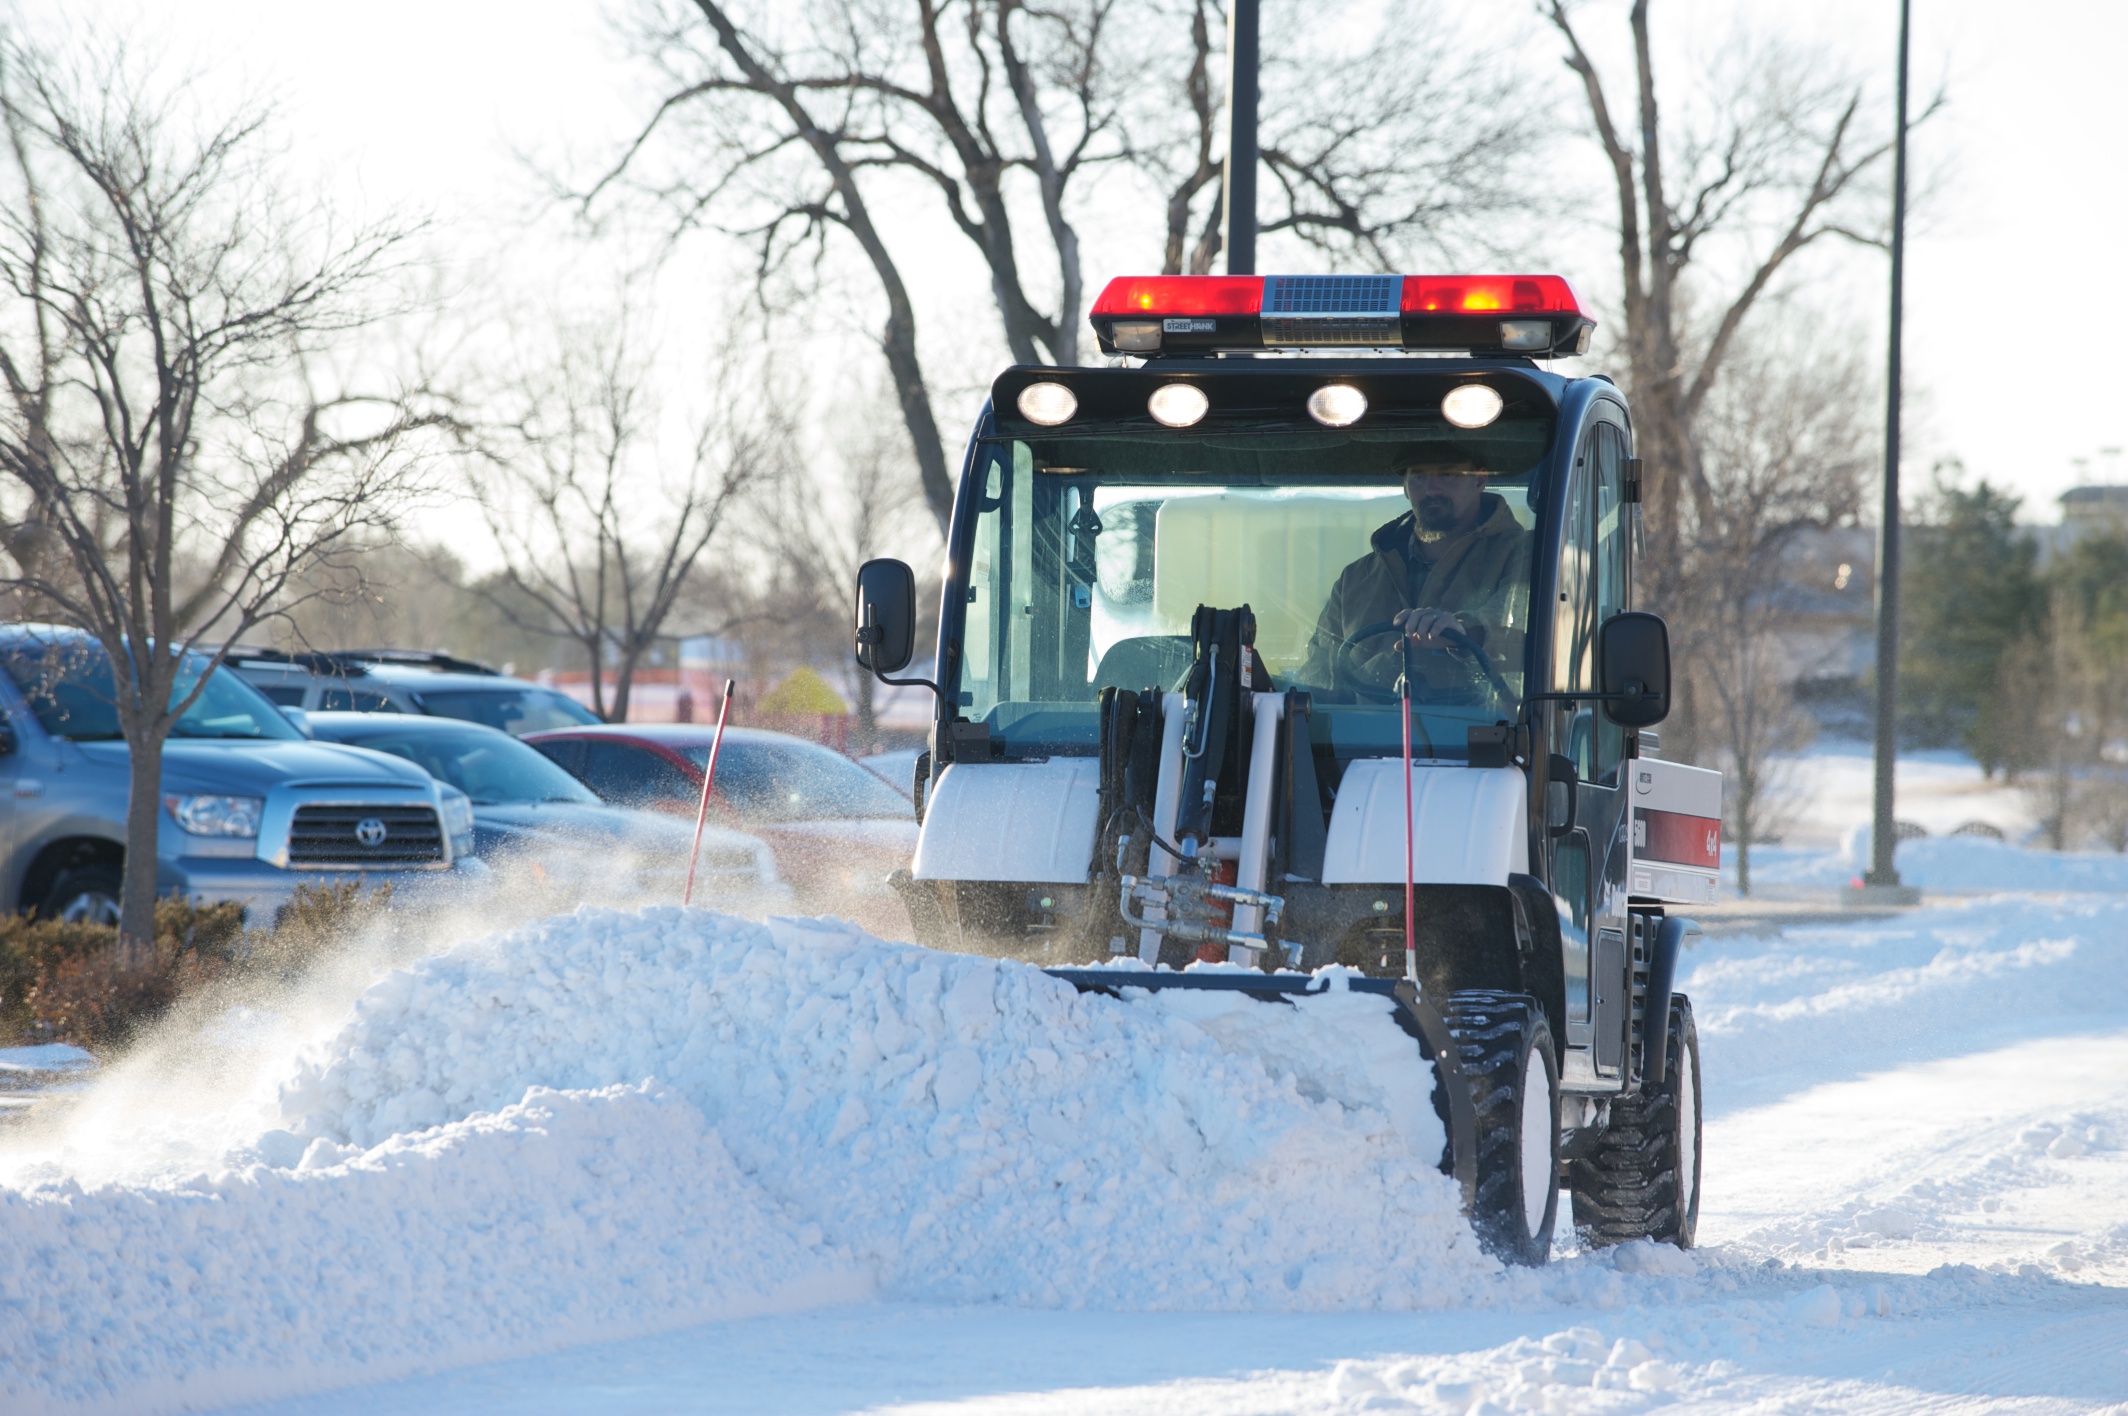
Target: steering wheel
x=1343, y=667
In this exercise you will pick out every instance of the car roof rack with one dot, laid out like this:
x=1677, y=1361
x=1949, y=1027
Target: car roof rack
x=316, y=661
x=414, y=658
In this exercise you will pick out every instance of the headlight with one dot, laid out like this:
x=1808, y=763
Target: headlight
x=216, y=815
x=457, y=812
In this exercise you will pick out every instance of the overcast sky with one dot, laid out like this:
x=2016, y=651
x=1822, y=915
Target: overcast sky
x=2010, y=305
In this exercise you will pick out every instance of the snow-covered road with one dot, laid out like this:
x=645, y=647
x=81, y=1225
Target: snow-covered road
x=1916, y=1199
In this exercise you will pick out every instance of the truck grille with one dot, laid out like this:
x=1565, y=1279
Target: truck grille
x=346, y=837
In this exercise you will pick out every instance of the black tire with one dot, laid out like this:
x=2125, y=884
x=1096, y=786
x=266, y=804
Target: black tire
x=1641, y=1178
x=1506, y=1049
x=87, y=894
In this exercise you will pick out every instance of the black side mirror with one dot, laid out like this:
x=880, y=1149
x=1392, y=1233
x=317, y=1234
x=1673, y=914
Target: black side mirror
x=886, y=616
x=7, y=739
x=1633, y=654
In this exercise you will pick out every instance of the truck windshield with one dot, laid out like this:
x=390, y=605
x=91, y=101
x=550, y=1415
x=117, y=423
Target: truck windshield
x=69, y=687
x=1092, y=553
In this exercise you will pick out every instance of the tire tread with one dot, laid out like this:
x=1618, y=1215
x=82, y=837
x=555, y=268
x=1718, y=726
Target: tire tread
x=1493, y=1031
x=1626, y=1186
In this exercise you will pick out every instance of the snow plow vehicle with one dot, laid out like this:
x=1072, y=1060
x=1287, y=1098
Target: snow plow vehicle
x=1303, y=636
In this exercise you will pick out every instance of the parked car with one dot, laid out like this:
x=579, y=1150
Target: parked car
x=529, y=812
x=252, y=807
x=408, y=681
x=837, y=830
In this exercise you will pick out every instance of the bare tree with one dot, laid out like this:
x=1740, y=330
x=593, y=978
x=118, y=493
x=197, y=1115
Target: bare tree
x=820, y=528
x=789, y=128
x=166, y=319
x=1785, y=159
x=1373, y=154
x=1786, y=449
x=597, y=539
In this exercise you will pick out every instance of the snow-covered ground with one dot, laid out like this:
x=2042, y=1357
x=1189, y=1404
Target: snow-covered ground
x=677, y=1162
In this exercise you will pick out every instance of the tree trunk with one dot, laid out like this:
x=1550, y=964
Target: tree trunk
x=897, y=338
x=623, y=682
x=1746, y=827
x=136, y=905
x=598, y=678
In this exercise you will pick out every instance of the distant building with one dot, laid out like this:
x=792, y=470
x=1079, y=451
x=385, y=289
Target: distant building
x=1827, y=603
x=2094, y=506
x=2086, y=511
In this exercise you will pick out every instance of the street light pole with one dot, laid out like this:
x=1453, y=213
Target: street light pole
x=1240, y=193
x=1882, y=873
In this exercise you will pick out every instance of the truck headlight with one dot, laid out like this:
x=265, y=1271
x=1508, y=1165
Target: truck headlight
x=216, y=815
x=457, y=812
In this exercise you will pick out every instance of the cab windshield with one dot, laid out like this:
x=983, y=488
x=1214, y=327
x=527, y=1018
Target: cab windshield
x=1091, y=554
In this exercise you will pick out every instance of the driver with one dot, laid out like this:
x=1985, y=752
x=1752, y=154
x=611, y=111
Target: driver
x=1457, y=560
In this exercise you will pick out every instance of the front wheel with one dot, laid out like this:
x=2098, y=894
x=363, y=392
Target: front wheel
x=1506, y=1050
x=88, y=894
x=1641, y=1178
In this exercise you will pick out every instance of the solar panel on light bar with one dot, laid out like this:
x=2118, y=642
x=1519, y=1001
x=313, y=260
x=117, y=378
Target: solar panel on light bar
x=1332, y=309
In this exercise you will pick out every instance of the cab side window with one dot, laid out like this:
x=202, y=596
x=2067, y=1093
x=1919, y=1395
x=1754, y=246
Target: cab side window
x=1592, y=588
x=1574, y=609
x=566, y=753
x=1611, y=532
x=630, y=776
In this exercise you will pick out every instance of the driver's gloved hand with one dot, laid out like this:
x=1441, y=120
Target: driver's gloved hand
x=1427, y=626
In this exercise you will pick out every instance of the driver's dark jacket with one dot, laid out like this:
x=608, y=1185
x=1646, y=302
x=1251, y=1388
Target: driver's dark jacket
x=1482, y=577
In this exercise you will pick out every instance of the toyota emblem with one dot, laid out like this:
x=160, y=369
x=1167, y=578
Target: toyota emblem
x=371, y=832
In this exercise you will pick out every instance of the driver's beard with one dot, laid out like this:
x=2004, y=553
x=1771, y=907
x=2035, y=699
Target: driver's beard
x=1435, y=517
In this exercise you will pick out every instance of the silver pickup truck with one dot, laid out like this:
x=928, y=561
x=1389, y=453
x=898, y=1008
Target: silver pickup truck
x=251, y=806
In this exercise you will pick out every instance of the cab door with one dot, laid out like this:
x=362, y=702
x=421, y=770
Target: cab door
x=1588, y=861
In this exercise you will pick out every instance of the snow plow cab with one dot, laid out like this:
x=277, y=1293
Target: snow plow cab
x=1309, y=640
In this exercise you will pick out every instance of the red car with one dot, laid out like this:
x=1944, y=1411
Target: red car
x=837, y=830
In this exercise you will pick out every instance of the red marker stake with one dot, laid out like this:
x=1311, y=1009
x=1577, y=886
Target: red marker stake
x=709, y=775
x=1411, y=944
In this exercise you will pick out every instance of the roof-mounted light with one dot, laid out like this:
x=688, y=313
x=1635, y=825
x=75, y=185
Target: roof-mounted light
x=1178, y=405
x=1535, y=315
x=1471, y=405
x=1047, y=404
x=1337, y=405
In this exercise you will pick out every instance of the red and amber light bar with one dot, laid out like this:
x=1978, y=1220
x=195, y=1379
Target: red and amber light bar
x=1539, y=316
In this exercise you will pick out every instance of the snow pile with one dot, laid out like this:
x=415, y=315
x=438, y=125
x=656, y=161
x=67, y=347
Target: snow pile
x=977, y=1129
x=569, y=1216
x=620, y=1122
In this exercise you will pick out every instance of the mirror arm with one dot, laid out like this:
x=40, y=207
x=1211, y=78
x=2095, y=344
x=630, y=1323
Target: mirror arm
x=909, y=683
x=868, y=634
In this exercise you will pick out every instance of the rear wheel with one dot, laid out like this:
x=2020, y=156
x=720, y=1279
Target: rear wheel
x=88, y=894
x=1641, y=1179
x=1506, y=1049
